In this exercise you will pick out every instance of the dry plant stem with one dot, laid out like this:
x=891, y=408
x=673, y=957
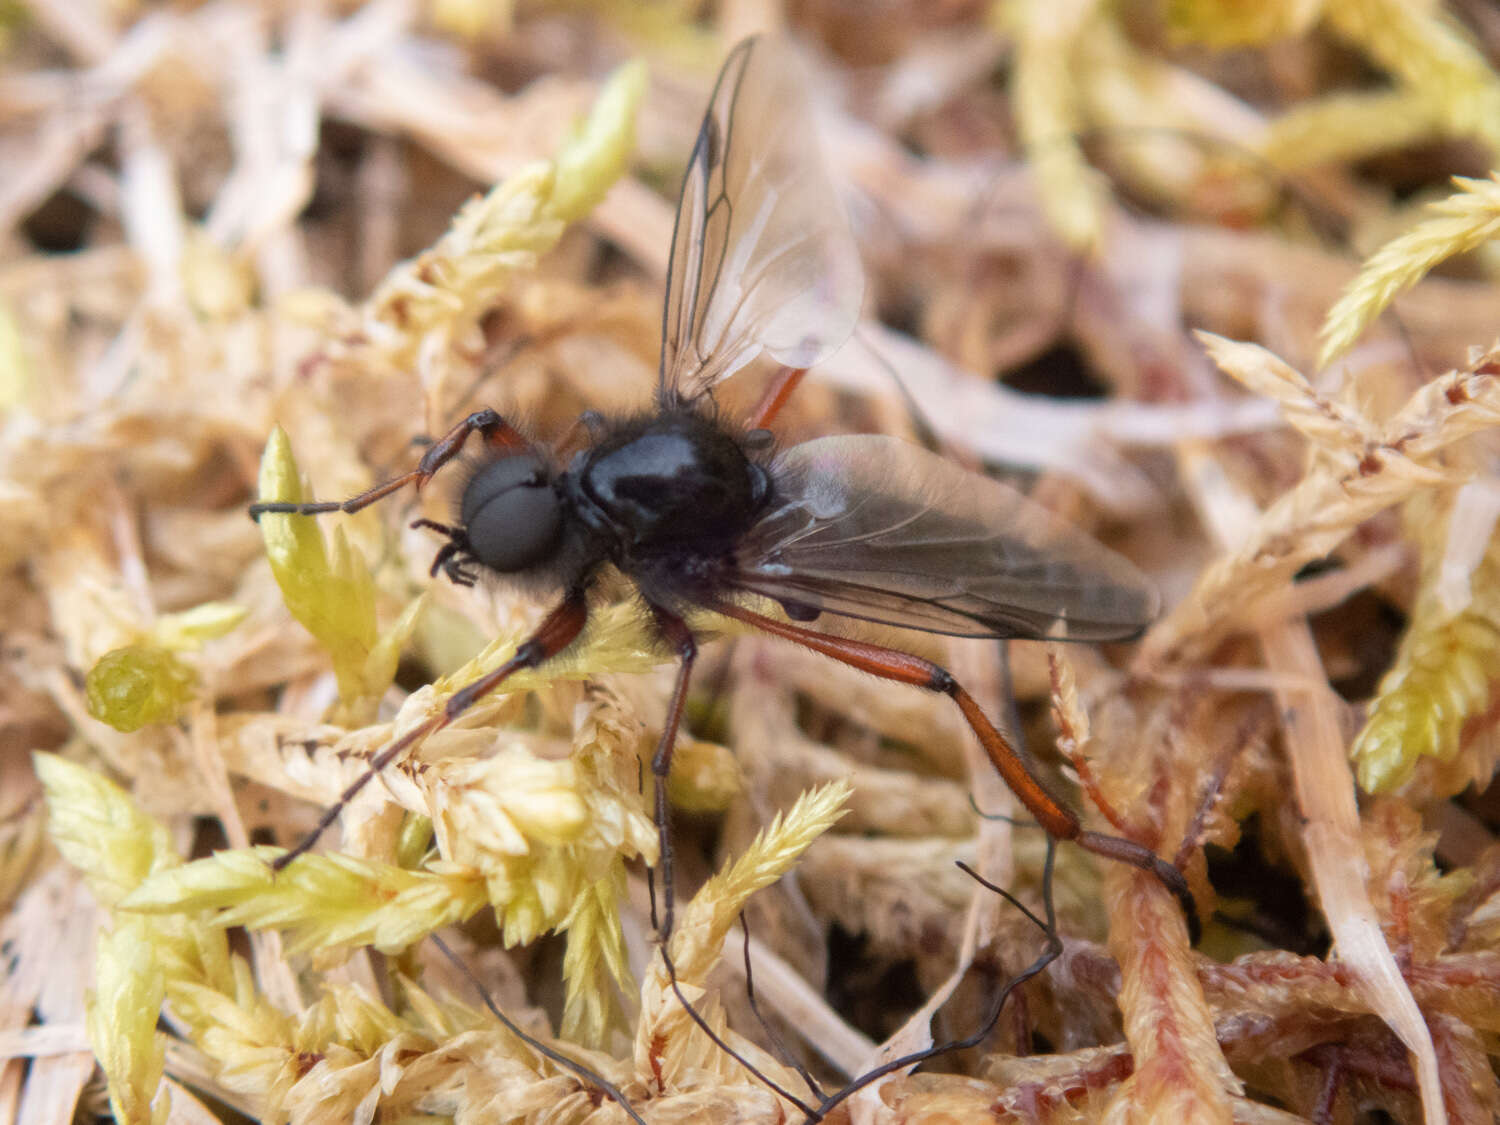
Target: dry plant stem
x=49, y=932
x=800, y=1005
x=1168, y=1023
x=273, y=970
x=1367, y=467
x=915, y=1035
x=1325, y=794
x=778, y=1045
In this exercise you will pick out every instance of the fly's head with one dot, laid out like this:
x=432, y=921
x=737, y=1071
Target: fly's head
x=512, y=514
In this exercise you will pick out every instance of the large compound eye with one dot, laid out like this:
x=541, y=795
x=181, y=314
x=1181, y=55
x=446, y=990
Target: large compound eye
x=511, y=513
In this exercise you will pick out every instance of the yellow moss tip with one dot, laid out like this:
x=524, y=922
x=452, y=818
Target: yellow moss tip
x=1440, y=682
x=129, y=988
x=1232, y=23
x=1462, y=221
x=1428, y=53
x=329, y=591
x=596, y=156
x=325, y=901
x=769, y=856
x=190, y=628
x=136, y=686
x=705, y=777
x=98, y=828
x=331, y=598
x=414, y=840
x=100, y=831
x=595, y=961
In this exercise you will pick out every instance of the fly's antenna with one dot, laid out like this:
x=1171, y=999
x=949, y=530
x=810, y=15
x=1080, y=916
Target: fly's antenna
x=585, y=1074
x=1047, y=924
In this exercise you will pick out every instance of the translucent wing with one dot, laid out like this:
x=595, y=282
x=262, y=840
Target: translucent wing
x=762, y=255
x=872, y=527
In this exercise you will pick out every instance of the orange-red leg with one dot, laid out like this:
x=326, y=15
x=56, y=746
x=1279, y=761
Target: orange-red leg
x=554, y=634
x=499, y=437
x=781, y=388
x=1058, y=820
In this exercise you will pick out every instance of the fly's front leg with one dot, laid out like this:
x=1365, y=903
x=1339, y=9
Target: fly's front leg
x=453, y=554
x=556, y=632
x=499, y=437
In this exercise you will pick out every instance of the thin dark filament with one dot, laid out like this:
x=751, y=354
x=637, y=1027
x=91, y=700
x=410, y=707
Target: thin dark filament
x=675, y=631
x=651, y=896
x=777, y=1043
x=372, y=771
x=718, y=1041
x=589, y=1076
x=1014, y=822
x=926, y=433
x=1050, y=954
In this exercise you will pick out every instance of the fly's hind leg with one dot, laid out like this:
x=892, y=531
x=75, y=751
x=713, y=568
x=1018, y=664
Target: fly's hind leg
x=1058, y=820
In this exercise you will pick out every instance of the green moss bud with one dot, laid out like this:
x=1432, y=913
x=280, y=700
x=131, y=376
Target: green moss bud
x=137, y=685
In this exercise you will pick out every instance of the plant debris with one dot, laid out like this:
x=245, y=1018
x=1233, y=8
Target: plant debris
x=258, y=251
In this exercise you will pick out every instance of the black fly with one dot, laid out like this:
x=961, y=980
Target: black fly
x=697, y=514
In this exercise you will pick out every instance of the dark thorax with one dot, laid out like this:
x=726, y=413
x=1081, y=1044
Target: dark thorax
x=671, y=486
